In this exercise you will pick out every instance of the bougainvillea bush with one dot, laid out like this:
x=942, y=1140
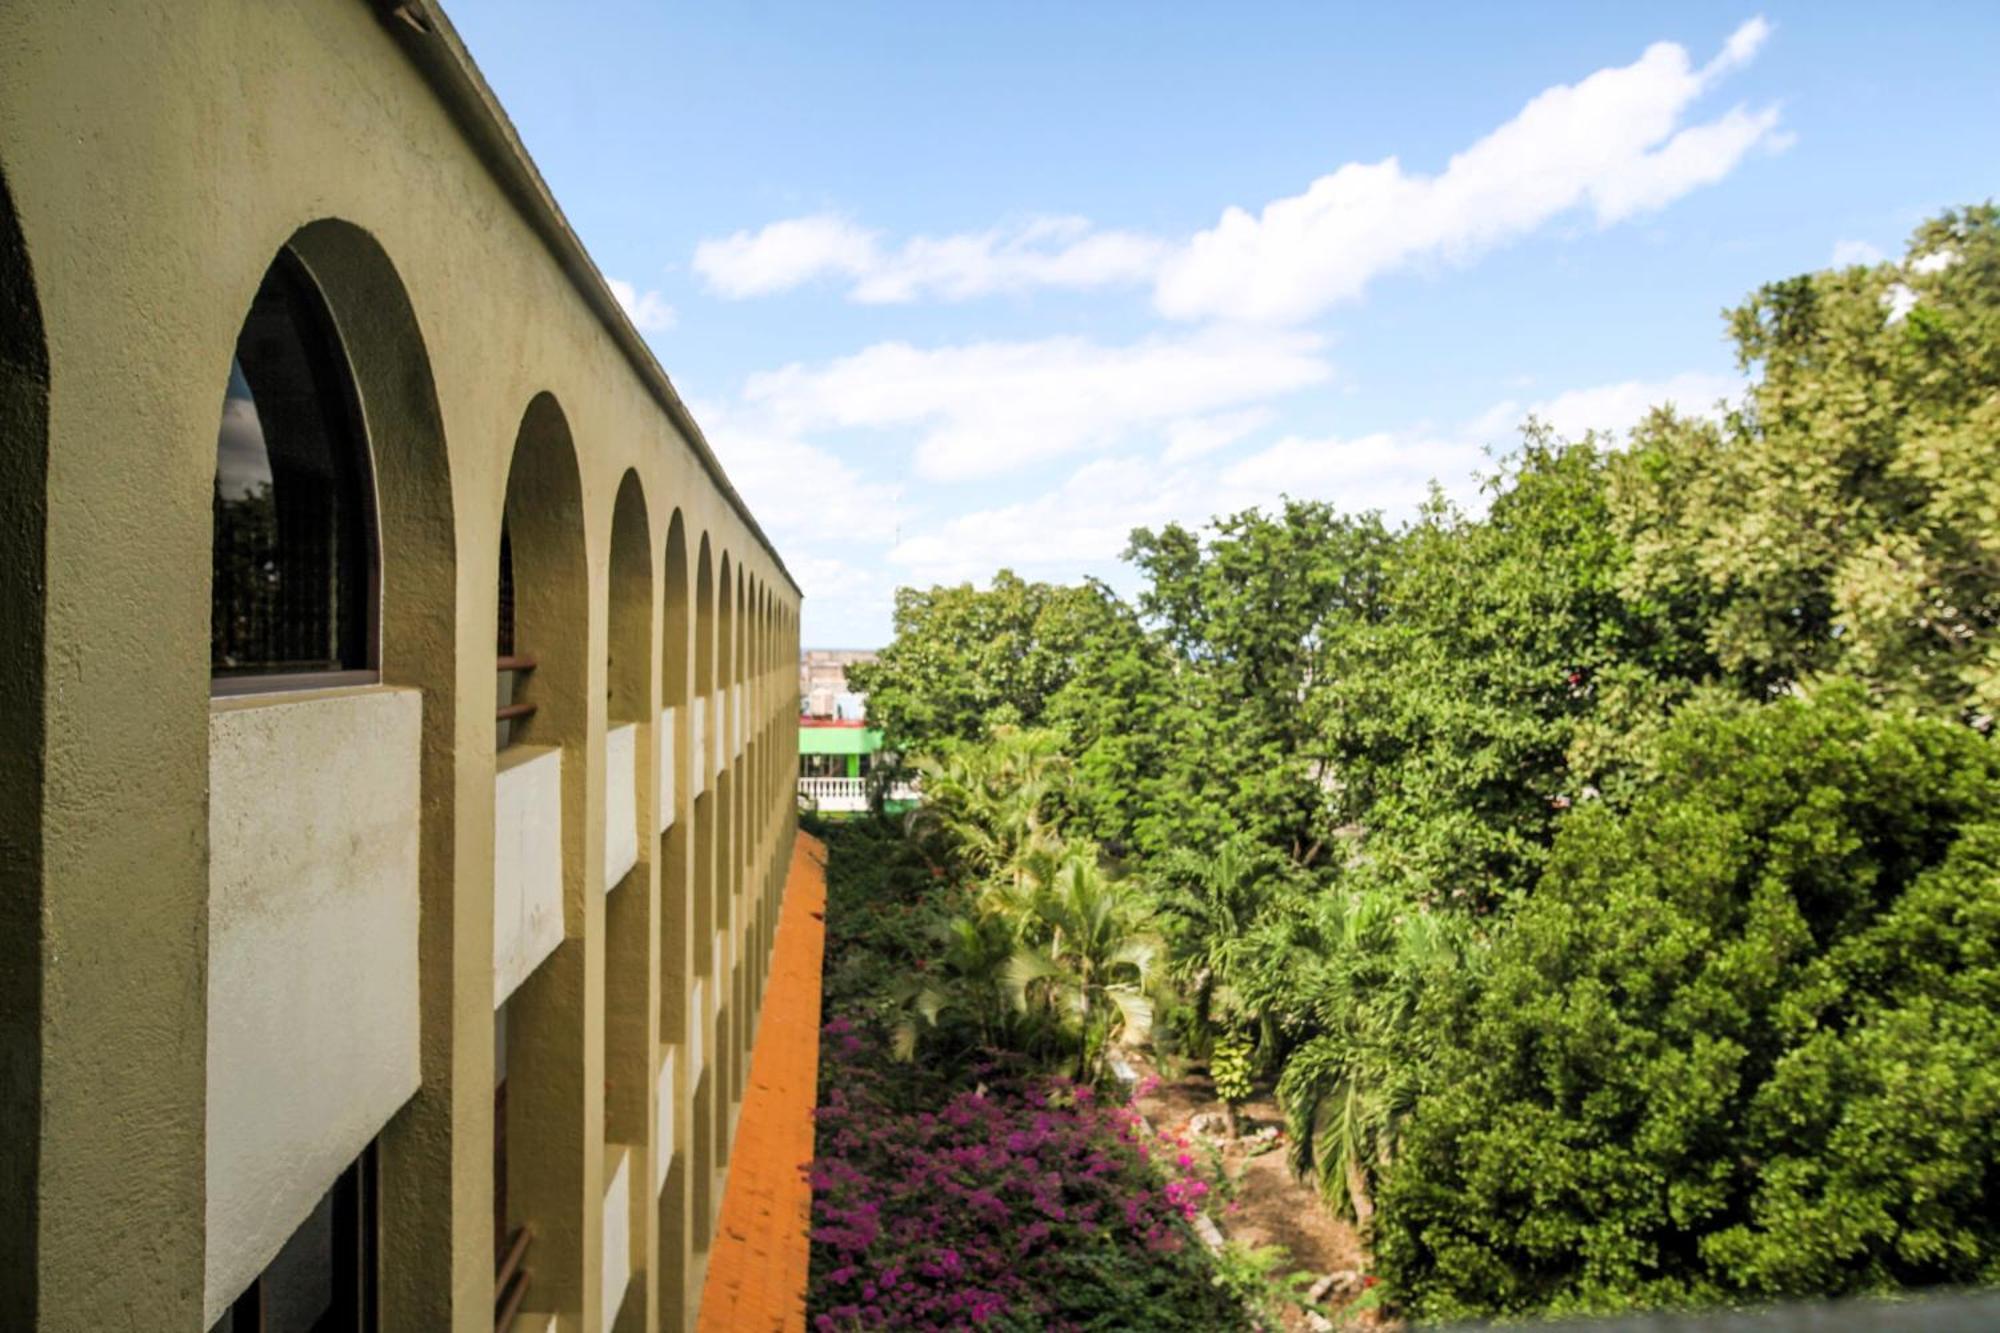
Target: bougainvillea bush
x=1018, y=1202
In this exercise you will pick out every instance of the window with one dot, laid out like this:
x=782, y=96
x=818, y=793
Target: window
x=323, y=1280
x=294, y=556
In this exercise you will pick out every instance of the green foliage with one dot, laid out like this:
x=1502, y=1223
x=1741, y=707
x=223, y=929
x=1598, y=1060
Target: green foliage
x=1350, y=968
x=1251, y=613
x=1085, y=958
x=1230, y=1068
x=1260, y=1279
x=965, y=660
x=1848, y=517
x=1741, y=1041
x=1607, y=874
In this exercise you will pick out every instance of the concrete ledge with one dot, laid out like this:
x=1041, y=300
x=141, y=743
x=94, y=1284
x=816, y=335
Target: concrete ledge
x=617, y=1224
x=314, y=802
x=527, y=863
x=698, y=745
x=621, y=803
x=665, y=783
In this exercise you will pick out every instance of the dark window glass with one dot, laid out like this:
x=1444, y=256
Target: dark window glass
x=294, y=535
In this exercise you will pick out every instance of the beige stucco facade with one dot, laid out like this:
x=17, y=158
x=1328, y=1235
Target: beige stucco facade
x=155, y=160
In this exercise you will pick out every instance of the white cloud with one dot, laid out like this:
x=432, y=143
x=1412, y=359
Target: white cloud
x=984, y=409
x=648, y=310
x=1937, y=261
x=1611, y=409
x=799, y=491
x=1194, y=437
x=1081, y=525
x=1040, y=252
x=784, y=255
x=1849, y=253
x=1389, y=470
x=1613, y=143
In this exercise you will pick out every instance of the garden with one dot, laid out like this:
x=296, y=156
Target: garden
x=1589, y=899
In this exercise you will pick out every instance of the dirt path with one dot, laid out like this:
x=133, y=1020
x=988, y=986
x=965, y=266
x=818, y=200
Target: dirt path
x=1271, y=1206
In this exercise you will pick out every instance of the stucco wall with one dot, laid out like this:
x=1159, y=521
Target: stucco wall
x=157, y=157
x=527, y=864
x=312, y=983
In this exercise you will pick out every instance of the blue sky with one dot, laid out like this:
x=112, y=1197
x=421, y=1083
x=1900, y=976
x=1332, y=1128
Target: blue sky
x=955, y=287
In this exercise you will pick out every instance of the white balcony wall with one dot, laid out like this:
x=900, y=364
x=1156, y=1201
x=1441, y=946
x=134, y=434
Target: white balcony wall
x=697, y=1020
x=312, y=956
x=621, y=803
x=698, y=745
x=617, y=1221
x=527, y=863
x=720, y=729
x=663, y=1120
x=665, y=784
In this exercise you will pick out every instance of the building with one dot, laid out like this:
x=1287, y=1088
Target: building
x=397, y=705
x=823, y=688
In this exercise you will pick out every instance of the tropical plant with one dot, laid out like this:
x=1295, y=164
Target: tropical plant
x=1357, y=966
x=1210, y=904
x=1229, y=1066
x=987, y=807
x=1086, y=958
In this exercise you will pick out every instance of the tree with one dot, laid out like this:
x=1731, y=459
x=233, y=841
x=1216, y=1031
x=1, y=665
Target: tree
x=1845, y=517
x=1249, y=612
x=965, y=660
x=1740, y=1042
x=1086, y=959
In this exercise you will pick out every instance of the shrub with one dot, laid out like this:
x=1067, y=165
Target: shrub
x=1019, y=1203
x=1742, y=1041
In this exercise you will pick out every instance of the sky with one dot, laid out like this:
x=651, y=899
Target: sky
x=952, y=288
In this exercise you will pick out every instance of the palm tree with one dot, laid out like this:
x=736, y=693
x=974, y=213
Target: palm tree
x=1086, y=958
x=987, y=805
x=1347, y=1090
x=966, y=976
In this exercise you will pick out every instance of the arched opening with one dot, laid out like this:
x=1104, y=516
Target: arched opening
x=630, y=1013
x=294, y=564
x=704, y=993
x=332, y=553
x=539, y=868
x=675, y=933
x=24, y=450
x=727, y=843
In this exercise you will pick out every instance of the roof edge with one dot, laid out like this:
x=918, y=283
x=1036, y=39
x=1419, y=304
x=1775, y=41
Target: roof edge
x=421, y=30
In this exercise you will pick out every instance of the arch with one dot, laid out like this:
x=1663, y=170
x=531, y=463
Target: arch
x=544, y=1019
x=294, y=559
x=629, y=611
x=412, y=643
x=675, y=925
x=632, y=714
x=701, y=1012
x=24, y=451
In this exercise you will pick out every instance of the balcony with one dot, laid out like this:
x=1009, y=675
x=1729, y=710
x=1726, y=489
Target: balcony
x=848, y=796
x=527, y=863
x=312, y=955
x=621, y=803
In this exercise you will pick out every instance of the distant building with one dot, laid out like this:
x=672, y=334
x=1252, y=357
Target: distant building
x=840, y=755
x=823, y=688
